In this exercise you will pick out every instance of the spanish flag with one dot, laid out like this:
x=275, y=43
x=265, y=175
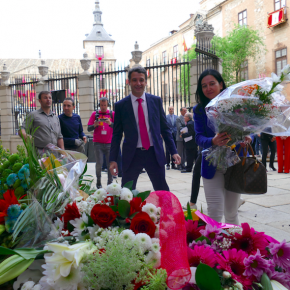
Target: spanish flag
x=184, y=45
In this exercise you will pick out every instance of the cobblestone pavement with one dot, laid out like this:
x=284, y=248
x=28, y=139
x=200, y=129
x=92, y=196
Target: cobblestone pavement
x=269, y=213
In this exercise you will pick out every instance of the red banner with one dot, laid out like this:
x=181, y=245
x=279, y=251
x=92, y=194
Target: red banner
x=276, y=17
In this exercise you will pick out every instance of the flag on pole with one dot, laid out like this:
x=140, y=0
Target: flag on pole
x=184, y=45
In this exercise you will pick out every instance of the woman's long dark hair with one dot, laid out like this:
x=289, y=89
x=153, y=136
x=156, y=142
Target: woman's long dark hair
x=199, y=96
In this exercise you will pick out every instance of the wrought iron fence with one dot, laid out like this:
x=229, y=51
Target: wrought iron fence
x=168, y=79
x=24, y=99
x=205, y=55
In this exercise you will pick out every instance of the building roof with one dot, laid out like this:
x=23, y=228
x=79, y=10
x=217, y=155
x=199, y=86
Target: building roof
x=98, y=33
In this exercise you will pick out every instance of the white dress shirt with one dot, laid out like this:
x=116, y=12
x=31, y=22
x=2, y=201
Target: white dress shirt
x=135, y=105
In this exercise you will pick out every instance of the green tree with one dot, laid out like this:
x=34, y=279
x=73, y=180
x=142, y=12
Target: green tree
x=184, y=76
x=243, y=43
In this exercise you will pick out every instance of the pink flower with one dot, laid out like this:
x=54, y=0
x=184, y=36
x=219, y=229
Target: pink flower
x=281, y=277
x=212, y=232
x=192, y=231
x=233, y=262
x=255, y=265
x=201, y=254
x=281, y=254
x=250, y=241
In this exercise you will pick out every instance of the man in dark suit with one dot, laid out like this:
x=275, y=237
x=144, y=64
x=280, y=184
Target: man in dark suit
x=179, y=140
x=190, y=144
x=171, y=120
x=142, y=146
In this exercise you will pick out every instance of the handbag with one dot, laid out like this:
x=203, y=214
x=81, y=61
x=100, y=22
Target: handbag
x=248, y=176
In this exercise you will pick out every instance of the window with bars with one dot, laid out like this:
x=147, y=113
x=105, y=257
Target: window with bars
x=164, y=57
x=280, y=59
x=242, y=17
x=278, y=4
x=244, y=71
x=175, y=51
x=99, y=50
x=148, y=62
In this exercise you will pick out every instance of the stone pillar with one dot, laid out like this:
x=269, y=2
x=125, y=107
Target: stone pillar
x=193, y=81
x=86, y=99
x=136, y=55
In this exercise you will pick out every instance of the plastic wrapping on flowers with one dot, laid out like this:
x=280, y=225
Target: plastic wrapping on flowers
x=246, y=108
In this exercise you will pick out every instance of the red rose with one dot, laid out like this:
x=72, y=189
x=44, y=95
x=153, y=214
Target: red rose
x=71, y=213
x=136, y=205
x=142, y=223
x=103, y=215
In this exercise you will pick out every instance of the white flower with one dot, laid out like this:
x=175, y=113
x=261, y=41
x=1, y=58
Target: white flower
x=149, y=208
x=275, y=78
x=155, y=240
x=155, y=247
x=37, y=287
x=56, y=232
x=286, y=69
x=82, y=206
x=153, y=258
x=143, y=241
x=114, y=189
x=79, y=224
x=79, y=198
x=100, y=193
x=127, y=235
x=92, y=231
x=154, y=218
x=27, y=285
x=239, y=286
x=126, y=194
x=158, y=210
x=156, y=235
x=226, y=275
x=64, y=258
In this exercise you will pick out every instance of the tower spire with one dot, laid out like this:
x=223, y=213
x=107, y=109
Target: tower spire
x=97, y=14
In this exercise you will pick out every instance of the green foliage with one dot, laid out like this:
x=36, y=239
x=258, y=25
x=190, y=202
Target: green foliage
x=19, y=191
x=17, y=183
x=6, y=164
x=266, y=283
x=116, y=268
x=123, y=208
x=16, y=167
x=241, y=44
x=6, y=173
x=129, y=185
x=13, y=158
x=184, y=82
x=144, y=194
x=155, y=280
x=207, y=278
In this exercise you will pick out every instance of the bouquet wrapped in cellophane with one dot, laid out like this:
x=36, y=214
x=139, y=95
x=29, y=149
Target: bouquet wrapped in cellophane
x=246, y=108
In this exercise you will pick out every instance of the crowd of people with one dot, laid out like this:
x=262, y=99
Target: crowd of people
x=133, y=137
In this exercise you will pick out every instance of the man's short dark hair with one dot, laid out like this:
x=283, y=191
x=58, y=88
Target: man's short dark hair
x=104, y=99
x=182, y=109
x=138, y=69
x=70, y=99
x=43, y=93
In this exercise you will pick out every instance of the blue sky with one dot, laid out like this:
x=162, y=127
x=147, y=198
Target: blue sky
x=58, y=27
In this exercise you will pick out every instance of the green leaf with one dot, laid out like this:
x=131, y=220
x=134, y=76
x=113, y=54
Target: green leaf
x=207, y=278
x=203, y=238
x=5, y=251
x=189, y=215
x=266, y=283
x=26, y=253
x=132, y=215
x=144, y=194
x=114, y=208
x=129, y=185
x=70, y=227
x=124, y=208
x=90, y=221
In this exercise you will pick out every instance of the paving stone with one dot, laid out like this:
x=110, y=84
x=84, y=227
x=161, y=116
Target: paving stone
x=269, y=201
x=284, y=208
x=284, y=225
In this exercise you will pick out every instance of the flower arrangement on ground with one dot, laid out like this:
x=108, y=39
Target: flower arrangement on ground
x=246, y=108
x=224, y=256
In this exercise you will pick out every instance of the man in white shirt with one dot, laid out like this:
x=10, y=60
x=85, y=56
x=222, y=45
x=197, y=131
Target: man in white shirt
x=140, y=116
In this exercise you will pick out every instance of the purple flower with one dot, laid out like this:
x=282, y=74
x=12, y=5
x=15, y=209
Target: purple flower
x=281, y=277
x=190, y=286
x=281, y=254
x=255, y=265
x=211, y=232
x=198, y=243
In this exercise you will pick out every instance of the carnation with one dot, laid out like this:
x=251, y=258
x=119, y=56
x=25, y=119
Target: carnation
x=143, y=241
x=27, y=285
x=127, y=235
x=98, y=194
x=126, y=194
x=153, y=258
x=150, y=209
x=114, y=189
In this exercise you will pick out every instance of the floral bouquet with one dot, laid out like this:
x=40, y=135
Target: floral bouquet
x=246, y=108
x=230, y=257
x=113, y=239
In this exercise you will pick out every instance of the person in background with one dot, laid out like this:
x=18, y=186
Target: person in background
x=258, y=145
x=283, y=154
x=190, y=144
x=71, y=127
x=102, y=122
x=219, y=200
x=141, y=118
x=171, y=120
x=47, y=124
x=180, y=123
x=267, y=141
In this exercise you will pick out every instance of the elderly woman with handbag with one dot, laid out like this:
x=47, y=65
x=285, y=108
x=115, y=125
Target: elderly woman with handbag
x=219, y=200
